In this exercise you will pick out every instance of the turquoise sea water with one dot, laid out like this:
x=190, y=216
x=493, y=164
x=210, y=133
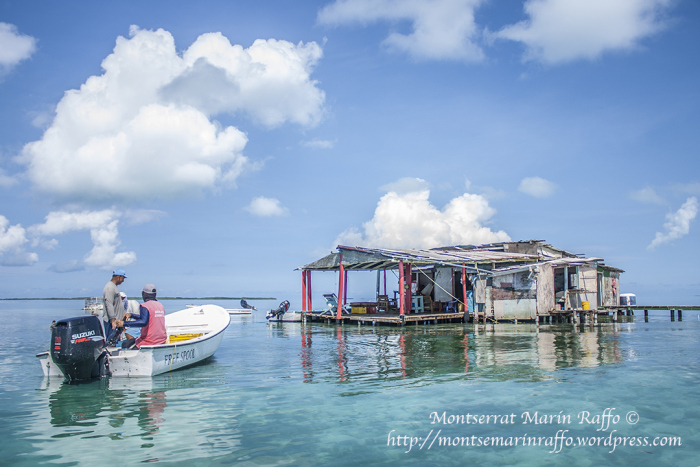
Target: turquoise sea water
x=289, y=394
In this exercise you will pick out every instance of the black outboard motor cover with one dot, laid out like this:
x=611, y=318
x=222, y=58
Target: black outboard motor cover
x=77, y=346
x=282, y=309
x=245, y=305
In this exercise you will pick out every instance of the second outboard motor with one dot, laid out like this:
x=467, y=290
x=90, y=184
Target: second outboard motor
x=77, y=347
x=282, y=309
x=245, y=305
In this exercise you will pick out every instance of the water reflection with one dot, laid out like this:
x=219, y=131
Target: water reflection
x=151, y=417
x=80, y=407
x=494, y=351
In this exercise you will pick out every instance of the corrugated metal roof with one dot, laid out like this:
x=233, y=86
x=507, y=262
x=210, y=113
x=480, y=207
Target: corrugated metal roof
x=493, y=256
x=358, y=258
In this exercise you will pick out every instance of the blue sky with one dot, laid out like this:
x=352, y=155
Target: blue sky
x=212, y=147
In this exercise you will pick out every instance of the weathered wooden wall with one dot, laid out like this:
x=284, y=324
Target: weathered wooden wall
x=515, y=296
x=611, y=288
x=545, y=289
x=444, y=278
x=588, y=281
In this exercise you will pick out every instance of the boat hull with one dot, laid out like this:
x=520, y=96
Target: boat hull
x=239, y=311
x=158, y=359
x=289, y=317
x=207, y=322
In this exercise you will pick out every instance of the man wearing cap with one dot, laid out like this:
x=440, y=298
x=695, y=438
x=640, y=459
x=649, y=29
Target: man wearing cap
x=151, y=320
x=114, y=307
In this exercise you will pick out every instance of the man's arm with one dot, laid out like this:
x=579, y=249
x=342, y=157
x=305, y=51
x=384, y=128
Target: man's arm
x=140, y=320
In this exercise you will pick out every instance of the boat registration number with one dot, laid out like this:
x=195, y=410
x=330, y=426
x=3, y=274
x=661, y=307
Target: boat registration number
x=177, y=357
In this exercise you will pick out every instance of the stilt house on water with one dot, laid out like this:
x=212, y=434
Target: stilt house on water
x=509, y=281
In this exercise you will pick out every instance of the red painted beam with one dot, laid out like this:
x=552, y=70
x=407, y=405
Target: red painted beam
x=341, y=288
x=409, y=289
x=464, y=291
x=303, y=290
x=402, y=290
x=308, y=291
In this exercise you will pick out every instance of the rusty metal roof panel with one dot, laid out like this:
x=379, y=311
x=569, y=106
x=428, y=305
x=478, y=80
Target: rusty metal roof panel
x=359, y=258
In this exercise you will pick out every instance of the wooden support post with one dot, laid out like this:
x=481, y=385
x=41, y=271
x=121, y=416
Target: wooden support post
x=566, y=287
x=646, y=316
x=680, y=315
x=341, y=288
x=409, y=288
x=402, y=291
x=673, y=315
x=345, y=285
x=308, y=291
x=464, y=289
x=303, y=290
x=379, y=277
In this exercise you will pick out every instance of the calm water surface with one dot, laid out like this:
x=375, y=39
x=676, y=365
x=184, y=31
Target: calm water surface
x=288, y=394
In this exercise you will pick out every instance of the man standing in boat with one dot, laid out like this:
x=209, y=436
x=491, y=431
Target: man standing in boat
x=151, y=320
x=114, y=307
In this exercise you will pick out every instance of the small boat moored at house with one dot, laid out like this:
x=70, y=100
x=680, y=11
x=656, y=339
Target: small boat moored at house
x=245, y=309
x=231, y=311
x=79, y=352
x=282, y=314
x=238, y=311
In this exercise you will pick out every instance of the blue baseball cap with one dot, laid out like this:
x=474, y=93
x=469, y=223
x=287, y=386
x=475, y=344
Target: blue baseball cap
x=119, y=272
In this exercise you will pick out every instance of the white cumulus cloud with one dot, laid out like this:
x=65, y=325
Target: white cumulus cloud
x=104, y=233
x=678, y=223
x=144, y=128
x=12, y=240
x=560, y=31
x=14, y=47
x=441, y=29
x=537, y=187
x=266, y=207
x=407, y=219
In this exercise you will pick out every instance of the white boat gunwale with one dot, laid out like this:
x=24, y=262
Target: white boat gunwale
x=144, y=362
x=188, y=341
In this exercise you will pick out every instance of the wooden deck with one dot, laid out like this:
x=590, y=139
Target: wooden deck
x=577, y=316
x=389, y=318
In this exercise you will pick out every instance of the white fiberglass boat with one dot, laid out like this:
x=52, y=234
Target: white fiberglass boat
x=94, y=306
x=238, y=311
x=79, y=352
x=231, y=311
x=283, y=315
x=288, y=317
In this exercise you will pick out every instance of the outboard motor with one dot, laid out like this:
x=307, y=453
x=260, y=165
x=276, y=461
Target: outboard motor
x=245, y=305
x=282, y=309
x=77, y=348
